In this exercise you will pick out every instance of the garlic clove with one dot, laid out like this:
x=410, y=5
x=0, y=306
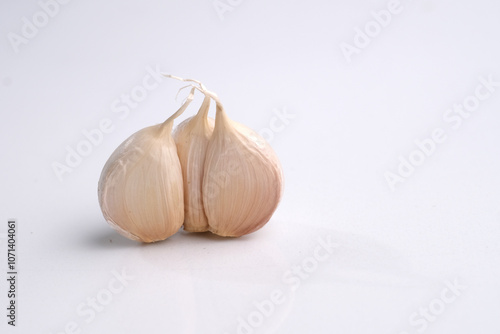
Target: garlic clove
x=242, y=180
x=141, y=189
x=191, y=137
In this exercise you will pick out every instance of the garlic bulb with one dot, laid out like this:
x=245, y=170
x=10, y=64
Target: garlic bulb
x=208, y=175
x=141, y=187
x=191, y=138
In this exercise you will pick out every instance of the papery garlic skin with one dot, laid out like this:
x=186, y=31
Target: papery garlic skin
x=141, y=188
x=242, y=180
x=192, y=137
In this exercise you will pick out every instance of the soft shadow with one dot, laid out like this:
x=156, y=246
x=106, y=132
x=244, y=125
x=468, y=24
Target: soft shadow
x=109, y=239
x=211, y=236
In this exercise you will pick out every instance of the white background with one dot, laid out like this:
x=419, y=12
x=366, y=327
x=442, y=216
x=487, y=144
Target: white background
x=396, y=250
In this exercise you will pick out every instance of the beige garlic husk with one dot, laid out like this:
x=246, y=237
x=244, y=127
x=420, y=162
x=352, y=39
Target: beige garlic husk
x=141, y=187
x=191, y=137
x=242, y=177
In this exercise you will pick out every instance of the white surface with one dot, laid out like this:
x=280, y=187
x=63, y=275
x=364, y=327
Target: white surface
x=395, y=250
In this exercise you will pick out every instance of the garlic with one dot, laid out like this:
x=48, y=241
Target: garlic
x=216, y=176
x=191, y=138
x=141, y=186
x=242, y=180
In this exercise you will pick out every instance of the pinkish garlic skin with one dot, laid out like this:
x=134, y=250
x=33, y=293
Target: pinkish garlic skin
x=243, y=179
x=140, y=190
x=192, y=137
